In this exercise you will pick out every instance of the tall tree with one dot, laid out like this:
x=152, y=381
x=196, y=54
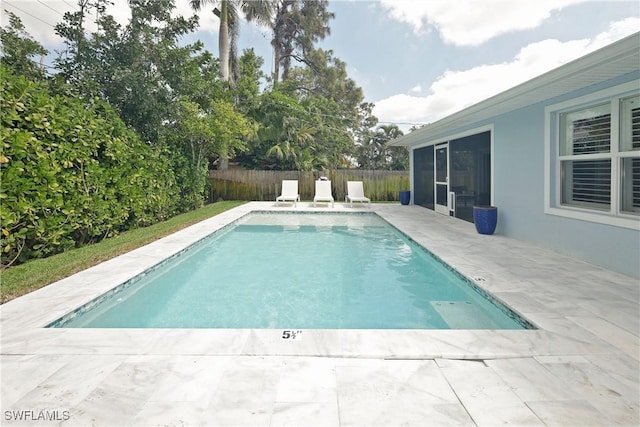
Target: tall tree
x=297, y=26
x=333, y=100
x=247, y=90
x=145, y=72
x=229, y=15
x=133, y=67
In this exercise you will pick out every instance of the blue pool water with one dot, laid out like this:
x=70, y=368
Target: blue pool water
x=302, y=271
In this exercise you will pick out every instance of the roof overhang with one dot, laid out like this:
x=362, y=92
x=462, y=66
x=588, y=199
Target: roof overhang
x=609, y=62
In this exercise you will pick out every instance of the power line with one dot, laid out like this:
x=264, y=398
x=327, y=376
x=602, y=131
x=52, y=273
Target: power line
x=31, y=15
x=326, y=126
x=304, y=110
x=42, y=65
x=403, y=123
x=39, y=64
x=345, y=118
x=49, y=7
x=70, y=5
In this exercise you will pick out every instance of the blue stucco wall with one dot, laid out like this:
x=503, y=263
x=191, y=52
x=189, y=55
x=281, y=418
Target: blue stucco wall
x=519, y=195
x=519, y=181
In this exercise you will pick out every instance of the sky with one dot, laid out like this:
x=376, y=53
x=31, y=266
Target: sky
x=417, y=60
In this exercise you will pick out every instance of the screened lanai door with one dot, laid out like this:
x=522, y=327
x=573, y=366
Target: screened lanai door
x=442, y=179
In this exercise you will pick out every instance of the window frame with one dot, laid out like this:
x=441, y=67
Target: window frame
x=554, y=179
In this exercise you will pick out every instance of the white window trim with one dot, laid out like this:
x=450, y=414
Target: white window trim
x=552, y=206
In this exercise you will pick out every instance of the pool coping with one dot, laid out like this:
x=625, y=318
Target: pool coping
x=538, y=299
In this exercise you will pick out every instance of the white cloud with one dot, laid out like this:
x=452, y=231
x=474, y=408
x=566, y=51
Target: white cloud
x=616, y=31
x=403, y=108
x=455, y=90
x=208, y=21
x=416, y=89
x=473, y=22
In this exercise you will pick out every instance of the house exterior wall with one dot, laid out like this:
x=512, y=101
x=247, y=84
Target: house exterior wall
x=518, y=159
x=519, y=183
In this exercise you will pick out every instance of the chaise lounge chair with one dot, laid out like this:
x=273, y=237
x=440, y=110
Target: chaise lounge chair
x=323, y=193
x=355, y=193
x=289, y=192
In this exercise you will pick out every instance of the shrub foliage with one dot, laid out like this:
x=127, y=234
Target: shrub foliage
x=72, y=172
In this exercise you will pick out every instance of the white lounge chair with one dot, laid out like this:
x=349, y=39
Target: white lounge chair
x=323, y=193
x=355, y=193
x=289, y=192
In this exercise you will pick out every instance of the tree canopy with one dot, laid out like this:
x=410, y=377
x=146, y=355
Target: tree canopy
x=122, y=130
x=144, y=68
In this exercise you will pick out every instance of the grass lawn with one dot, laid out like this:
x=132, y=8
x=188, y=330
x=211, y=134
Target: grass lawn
x=32, y=275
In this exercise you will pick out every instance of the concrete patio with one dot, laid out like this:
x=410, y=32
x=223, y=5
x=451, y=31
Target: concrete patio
x=580, y=368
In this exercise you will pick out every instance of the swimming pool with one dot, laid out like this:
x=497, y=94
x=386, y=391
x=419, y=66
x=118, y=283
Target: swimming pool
x=299, y=271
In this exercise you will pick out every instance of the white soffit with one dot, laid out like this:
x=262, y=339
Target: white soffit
x=617, y=59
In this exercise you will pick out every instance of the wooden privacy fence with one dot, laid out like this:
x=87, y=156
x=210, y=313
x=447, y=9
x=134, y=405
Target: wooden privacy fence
x=264, y=185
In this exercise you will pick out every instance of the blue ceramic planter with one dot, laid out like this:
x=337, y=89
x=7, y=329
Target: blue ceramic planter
x=485, y=219
x=405, y=197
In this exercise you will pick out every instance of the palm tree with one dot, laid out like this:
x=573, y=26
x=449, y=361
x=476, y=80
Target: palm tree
x=258, y=10
x=388, y=157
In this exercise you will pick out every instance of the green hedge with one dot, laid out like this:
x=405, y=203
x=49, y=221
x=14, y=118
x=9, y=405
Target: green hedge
x=72, y=172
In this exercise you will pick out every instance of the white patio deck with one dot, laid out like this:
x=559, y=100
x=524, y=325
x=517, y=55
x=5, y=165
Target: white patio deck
x=581, y=367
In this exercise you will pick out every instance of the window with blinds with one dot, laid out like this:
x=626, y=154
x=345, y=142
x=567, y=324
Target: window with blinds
x=630, y=124
x=587, y=183
x=635, y=184
x=630, y=166
x=635, y=129
x=594, y=156
x=592, y=135
x=631, y=185
x=586, y=131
